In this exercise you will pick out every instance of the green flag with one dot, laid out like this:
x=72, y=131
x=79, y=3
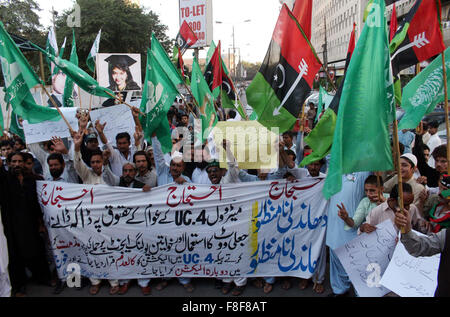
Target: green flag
x=158, y=95
x=424, y=92
x=361, y=137
x=69, y=85
x=79, y=76
x=90, y=62
x=16, y=126
x=61, y=53
x=205, y=99
x=51, y=46
x=164, y=61
x=19, y=79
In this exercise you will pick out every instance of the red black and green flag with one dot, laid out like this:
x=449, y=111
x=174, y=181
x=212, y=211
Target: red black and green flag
x=184, y=40
x=285, y=78
x=394, y=25
x=302, y=11
x=221, y=84
x=320, y=138
x=418, y=38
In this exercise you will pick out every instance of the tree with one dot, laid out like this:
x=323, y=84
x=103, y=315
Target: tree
x=126, y=28
x=20, y=18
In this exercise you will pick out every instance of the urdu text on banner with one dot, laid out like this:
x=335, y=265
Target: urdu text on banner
x=271, y=228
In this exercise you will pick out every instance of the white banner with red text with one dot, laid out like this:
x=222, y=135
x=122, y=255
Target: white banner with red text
x=271, y=228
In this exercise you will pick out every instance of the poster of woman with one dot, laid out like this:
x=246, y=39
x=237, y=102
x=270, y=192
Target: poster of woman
x=120, y=72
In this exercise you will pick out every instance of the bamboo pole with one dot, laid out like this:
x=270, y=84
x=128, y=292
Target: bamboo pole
x=8, y=120
x=399, y=176
x=302, y=113
x=79, y=97
x=49, y=96
x=117, y=98
x=444, y=73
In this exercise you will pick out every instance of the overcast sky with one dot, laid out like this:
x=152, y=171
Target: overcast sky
x=252, y=37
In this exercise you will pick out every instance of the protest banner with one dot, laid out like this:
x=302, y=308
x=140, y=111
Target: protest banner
x=45, y=130
x=118, y=119
x=366, y=257
x=252, y=229
x=408, y=276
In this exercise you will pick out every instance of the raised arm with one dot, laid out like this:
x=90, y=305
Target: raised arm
x=108, y=176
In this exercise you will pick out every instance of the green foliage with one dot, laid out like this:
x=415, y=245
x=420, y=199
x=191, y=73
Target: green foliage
x=20, y=18
x=126, y=28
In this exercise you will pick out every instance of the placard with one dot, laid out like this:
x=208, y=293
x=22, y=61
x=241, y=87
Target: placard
x=44, y=131
x=366, y=257
x=409, y=276
x=118, y=119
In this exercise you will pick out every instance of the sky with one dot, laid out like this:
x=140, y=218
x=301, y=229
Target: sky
x=252, y=38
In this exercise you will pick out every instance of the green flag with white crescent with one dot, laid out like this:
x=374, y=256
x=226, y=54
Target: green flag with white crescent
x=205, y=99
x=19, y=79
x=421, y=95
x=51, y=46
x=165, y=62
x=61, y=53
x=361, y=136
x=158, y=95
x=90, y=62
x=68, y=100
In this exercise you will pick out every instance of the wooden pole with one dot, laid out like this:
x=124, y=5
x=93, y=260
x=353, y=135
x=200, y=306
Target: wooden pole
x=8, y=120
x=49, y=96
x=301, y=117
x=90, y=98
x=131, y=107
x=444, y=73
x=397, y=167
x=79, y=97
x=57, y=108
x=41, y=59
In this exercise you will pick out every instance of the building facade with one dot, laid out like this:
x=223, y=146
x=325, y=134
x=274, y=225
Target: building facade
x=332, y=23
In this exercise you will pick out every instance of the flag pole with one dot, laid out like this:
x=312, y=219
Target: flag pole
x=302, y=114
x=79, y=97
x=397, y=167
x=9, y=109
x=195, y=101
x=119, y=99
x=444, y=73
x=48, y=95
x=90, y=98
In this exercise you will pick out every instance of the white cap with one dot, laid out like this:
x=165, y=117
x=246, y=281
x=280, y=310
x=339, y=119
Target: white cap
x=410, y=157
x=177, y=155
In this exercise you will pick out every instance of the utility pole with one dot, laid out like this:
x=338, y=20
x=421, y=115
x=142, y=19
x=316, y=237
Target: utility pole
x=234, y=57
x=54, y=13
x=325, y=48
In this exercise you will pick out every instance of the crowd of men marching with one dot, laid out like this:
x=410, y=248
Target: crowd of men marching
x=88, y=157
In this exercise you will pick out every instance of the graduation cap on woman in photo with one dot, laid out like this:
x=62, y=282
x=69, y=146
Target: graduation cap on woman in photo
x=120, y=78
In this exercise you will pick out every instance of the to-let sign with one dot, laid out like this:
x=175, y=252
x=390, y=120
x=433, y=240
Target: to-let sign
x=198, y=15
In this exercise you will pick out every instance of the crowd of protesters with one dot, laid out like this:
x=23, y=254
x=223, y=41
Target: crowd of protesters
x=88, y=157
